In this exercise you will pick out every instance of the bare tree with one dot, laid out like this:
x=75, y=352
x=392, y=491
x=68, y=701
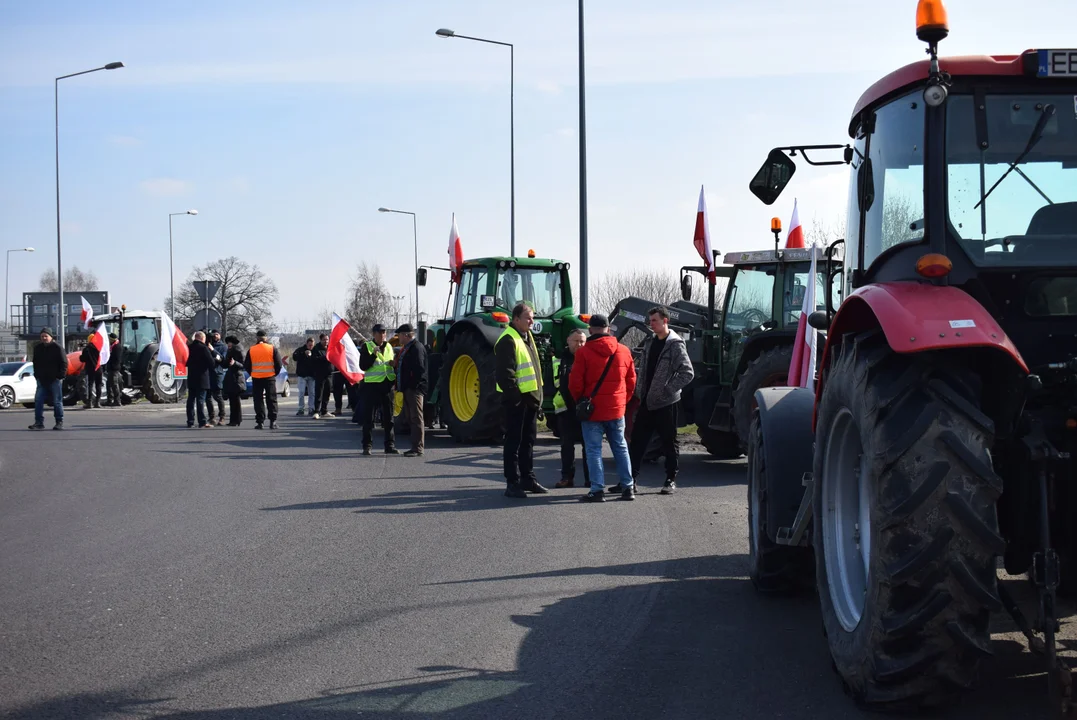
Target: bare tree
x=74, y=280
x=244, y=297
x=369, y=300
x=661, y=285
x=823, y=232
x=899, y=213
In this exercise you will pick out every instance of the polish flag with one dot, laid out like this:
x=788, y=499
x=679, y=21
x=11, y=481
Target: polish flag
x=172, y=349
x=795, y=239
x=802, y=366
x=342, y=352
x=456, y=252
x=87, y=313
x=100, y=341
x=702, y=237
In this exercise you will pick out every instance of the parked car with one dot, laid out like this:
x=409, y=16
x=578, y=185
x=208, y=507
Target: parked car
x=282, y=384
x=17, y=384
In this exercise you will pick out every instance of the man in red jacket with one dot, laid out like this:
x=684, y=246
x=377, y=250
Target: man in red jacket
x=609, y=399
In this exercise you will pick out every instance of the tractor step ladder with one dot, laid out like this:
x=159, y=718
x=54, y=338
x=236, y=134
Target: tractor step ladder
x=796, y=534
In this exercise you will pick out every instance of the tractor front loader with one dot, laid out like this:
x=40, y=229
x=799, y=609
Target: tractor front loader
x=941, y=432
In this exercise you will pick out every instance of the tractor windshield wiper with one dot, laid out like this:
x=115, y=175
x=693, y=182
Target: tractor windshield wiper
x=1037, y=135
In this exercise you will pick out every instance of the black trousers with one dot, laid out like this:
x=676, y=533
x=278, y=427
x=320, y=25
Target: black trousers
x=114, y=384
x=339, y=385
x=265, y=396
x=94, y=383
x=235, y=408
x=662, y=421
x=322, y=386
x=214, y=394
x=571, y=436
x=377, y=395
x=521, y=427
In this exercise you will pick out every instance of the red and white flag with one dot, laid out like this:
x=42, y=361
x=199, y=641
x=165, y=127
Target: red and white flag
x=456, y=252
x=802, y=366
x=342, y=352
x=100, y=341
x=702, y=237
x=87, y=313
x=172, y=349
x=795, y=238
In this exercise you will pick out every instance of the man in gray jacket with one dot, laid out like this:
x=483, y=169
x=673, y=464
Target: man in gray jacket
x=664, y=369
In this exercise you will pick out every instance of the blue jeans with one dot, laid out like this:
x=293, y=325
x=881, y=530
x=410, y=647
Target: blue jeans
x=196, y=396
x=306, y=385
x=56, y=390
x=614, y=431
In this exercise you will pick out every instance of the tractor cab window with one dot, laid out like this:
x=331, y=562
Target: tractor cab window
x=1030, y=217
x=540, y=287
x=473, y=285
x=892, y=185
x=137, y=334
x=750, y=304
x=796, y=286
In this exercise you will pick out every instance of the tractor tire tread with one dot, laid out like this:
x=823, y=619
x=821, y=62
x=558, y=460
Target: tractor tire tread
x=767, y=364
x=932, y=579
x=487, y=425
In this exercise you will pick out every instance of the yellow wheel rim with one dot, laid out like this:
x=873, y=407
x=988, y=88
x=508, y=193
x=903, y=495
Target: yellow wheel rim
x=464, y=388
x=398, y=402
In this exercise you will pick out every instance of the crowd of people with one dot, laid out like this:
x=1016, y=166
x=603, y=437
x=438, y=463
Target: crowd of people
x=599, y=386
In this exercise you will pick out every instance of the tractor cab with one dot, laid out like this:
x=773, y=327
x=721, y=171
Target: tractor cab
x=139, y=334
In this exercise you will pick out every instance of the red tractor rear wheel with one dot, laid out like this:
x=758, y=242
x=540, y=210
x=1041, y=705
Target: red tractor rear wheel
x=905, y=527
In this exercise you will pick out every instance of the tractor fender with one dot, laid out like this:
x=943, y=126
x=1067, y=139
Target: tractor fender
x=785, y=419
x=473, y=324
x=917, y=317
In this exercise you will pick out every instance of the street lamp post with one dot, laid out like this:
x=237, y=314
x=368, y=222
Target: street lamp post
x=583, y=178
x=171, y=288
x=415, y=236
x=445, y=33
x=7, y=281
x=59, y=261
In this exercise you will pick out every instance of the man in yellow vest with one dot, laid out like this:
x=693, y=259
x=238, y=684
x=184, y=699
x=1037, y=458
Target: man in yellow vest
x=263, y=364
x=376, y=360
x=517, y=370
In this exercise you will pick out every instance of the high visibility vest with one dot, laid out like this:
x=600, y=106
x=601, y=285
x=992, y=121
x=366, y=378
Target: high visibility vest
x=262, y=360
x=559, y=405
x=382, y=369
x=526, y=375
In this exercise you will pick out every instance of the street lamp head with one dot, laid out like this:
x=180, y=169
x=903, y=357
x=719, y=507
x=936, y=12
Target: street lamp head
x=192, y=212
x=28, y=249
x=443, y=32
x=114, y=65
x=384, y=209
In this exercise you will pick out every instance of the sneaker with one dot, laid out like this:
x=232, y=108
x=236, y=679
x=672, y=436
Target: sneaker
x=413, y=453
x=258, y=426
x=515, y=491
x=366, y=451
x=565, y=483
x=669, y=487
x=59, y=425
x=629, y=493
x=534, y=487
x=594, y=496
x=301, y=412
x=316, y=416
x=190, y=425
x=616, y=488
x=311, y=413
x=35, y=426
x=392, y=451
x=272, y=424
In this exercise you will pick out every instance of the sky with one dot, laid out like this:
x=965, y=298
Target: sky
x=286, y=125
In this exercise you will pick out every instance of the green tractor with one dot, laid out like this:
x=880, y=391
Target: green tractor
x=738, y=342
x=461, y=346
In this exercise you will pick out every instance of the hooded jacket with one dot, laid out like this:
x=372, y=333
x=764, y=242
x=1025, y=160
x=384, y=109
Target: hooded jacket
x=671, y=374
x=618, y=385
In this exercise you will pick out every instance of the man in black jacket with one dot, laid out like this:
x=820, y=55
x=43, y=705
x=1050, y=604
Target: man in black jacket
x=200, y=365
x=568, y=424
x=411, y=379
x=323, y=372
x=304, y=370
x=216, y=376
x=50, y=369
x=114, y=382
x=94, y=375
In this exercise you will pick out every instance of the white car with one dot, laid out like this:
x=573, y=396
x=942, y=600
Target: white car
x=17, y=384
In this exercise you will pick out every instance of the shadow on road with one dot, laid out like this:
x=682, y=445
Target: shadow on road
x=699, y=643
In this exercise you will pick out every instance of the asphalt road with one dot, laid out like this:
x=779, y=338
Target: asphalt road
x=154, y=571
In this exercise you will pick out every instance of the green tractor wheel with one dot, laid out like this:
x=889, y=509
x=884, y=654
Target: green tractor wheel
x=769, y=369
x=470, y=403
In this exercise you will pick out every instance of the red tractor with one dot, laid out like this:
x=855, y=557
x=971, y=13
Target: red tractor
x=941, y=429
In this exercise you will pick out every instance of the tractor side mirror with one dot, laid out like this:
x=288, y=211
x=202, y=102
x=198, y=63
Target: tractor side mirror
x=686, y=287
x=420, y=277
x=772, y=177
x=819, y=320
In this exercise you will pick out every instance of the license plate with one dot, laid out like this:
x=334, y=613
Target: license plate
x=1057, y=63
